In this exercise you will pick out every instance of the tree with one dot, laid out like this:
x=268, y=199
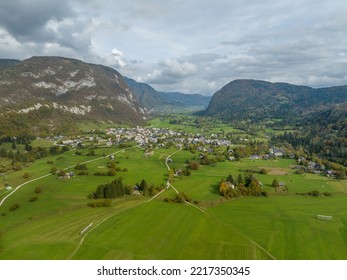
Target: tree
x=240, y=179
x=143, y=185
x=224, y=188
x=341, y=175
x=248, y=179
x=231, y=179
x=275, y=183
x=255, y=187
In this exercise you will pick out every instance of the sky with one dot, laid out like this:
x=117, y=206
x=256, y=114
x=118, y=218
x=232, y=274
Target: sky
x=190, y=46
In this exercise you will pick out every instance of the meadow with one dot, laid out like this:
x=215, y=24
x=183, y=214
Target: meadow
x=280, y=226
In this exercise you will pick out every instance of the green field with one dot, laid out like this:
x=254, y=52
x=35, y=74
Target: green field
x=280, y=226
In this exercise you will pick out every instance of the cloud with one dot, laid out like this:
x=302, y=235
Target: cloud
x=28, y=18
x=171, y=71
x=192, y=46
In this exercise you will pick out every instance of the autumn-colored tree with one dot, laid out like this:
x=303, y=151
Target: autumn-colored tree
x=224, y=188
x=255, y=187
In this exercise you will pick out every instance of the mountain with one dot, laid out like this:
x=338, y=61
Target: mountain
x=150, y=98
x=52, y=90
x=187, y=99
x=316, y=118
x=260, y=100
x=147, y=96
x=8, y=62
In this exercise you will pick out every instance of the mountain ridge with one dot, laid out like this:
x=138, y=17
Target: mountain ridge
x=150, y=98
x=256, y=99
x=70, y=86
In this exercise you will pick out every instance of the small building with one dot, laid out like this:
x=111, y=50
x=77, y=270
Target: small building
x=324, y=217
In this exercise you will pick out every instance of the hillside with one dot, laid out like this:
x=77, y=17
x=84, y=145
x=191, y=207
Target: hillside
x=147, y=96
x=260, y=100
x=150, y=98
x=316, y=118
x=51, y=90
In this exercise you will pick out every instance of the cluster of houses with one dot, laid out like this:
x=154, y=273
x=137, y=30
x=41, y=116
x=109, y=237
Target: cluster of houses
x=273, y=153
x=309, y=166
x=145, y=137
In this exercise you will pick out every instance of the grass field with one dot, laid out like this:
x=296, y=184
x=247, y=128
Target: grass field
x=281, y=226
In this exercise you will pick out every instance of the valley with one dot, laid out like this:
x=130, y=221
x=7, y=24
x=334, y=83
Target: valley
x=167, y=200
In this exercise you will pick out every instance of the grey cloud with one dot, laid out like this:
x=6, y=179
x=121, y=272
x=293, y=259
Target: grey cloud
x=20, y=17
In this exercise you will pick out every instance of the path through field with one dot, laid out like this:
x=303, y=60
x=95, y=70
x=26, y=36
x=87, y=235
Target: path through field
x=44, y=176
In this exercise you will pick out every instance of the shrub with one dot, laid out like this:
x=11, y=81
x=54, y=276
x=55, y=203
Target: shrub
x=193, y=165
x=100, y=203
x=263, y=171
x=14, y=207
x=38, y=190
x=314, y=193
x=92, y=153
x=54, y=170
x=264, y=193
x=33, y=198
x=81, y=166
x=26, y=175
x=111, y=172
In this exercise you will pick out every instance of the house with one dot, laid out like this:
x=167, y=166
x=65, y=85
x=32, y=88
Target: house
x=253, y=157
x=8, y=188
x=277, y=152
x=178, y=172
x=282, y=186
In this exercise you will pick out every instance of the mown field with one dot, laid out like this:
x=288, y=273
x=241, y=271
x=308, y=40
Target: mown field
x=280, y=226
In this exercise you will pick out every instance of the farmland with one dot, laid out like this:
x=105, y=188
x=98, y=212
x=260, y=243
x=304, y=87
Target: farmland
x=281, y=225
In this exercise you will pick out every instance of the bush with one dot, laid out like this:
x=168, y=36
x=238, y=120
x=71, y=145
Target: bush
x=92, y=153
x=100, y=203
x=193, y=165
x=264, y=193
x=81, y=166
x=33, y=198
x=54, y=170
x=111, y=172
x=14, y=207
x=26, y=175
x=38, y=190
x=314, y=193
x=263, y=171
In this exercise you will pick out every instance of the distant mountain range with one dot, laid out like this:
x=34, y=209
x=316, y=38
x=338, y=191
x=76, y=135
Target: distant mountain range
x=150, y=98
x=45, y=93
